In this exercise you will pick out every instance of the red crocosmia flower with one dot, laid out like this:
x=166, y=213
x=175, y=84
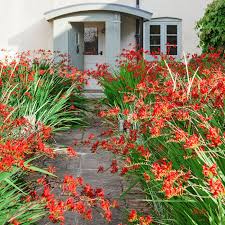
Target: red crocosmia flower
x=214, y=137
x=70, y=203
x=105, y=205
x=209, y=171
x=161, y=169
x=47, y=193
x=174, y=183
x=124, y=171
x=145, y=220
x=100, y=169
x=115, y=204
x=114, y=166
x=42, y=180
x=192, y=142
x=95, y=146
x=56, y=211
x=88, y=215
x=111, y=112
x=108, y=215
x=180, y=135
x=127, y=99
x=42, y=72
x=15, y=222
x=182, y=115
x=73, y=107
x=99, y=192
x=146, y=177
x=133, y=216
x=141, y=86
x=28, y=94
x=80, y=207
x=102, y=114
x=155, y=131
x=71, y=152
x=51, y=169
x=126, y=112
x=216, y=187
x=91, y=136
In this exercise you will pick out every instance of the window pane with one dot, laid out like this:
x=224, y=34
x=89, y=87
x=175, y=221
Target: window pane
x=155, y=49
x=91, y=41
x=77, y=37
x=172, y=40
x=171, y=29
x=154, y=40
x=172, y=50
x=155, y=29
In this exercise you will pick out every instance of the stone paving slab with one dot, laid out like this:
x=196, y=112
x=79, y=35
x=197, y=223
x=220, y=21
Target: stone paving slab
x=87, y=166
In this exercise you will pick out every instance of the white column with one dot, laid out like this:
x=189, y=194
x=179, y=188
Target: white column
x=113, y=38
x=60, y=35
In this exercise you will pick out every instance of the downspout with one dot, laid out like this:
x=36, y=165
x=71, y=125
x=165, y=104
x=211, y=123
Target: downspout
x=139, y=29
x=138, y=4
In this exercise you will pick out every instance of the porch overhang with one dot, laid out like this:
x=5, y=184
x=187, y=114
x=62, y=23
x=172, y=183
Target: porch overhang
x=87, y=7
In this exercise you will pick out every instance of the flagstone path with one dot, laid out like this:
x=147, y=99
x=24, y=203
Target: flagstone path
x=86, y=165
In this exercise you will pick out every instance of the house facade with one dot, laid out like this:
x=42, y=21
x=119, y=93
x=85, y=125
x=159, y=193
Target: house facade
x=96, y=31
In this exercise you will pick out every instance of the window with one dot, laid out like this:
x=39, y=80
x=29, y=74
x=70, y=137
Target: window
x=155, y=38
x=91, y=41
x=164, y=36
x=171, y=39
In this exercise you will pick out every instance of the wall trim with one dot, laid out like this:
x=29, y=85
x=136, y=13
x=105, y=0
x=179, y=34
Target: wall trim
x=62, y=11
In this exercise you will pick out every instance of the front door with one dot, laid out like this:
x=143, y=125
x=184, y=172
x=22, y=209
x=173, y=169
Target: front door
x=76, y=45
x=94, y=48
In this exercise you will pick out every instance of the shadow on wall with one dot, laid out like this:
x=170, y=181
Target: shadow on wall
x=37, y=36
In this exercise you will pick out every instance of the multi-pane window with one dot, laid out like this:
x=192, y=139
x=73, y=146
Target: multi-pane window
x=91, y=41
x=171, y=39
x=155, y=38
x=165, y=36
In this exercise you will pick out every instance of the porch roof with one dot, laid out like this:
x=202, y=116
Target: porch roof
x=85, y=7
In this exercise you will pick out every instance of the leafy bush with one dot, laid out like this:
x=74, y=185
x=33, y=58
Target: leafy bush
x=172, y=141
x=19, y=144
x=24, y=201
x=212, y=26
x=43, y=90
x=37, y=97
x=13, y=207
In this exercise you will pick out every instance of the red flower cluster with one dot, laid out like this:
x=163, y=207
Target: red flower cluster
x=82, y=198
x=19, y=140
x=173, y=180
x=214, y=137
x=166, y=122
x=142, y=220
x=216, y=186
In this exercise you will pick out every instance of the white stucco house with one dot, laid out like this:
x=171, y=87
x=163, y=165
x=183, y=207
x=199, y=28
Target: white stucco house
x=96, y=31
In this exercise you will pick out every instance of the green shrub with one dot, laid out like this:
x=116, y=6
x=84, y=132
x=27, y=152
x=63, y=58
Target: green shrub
x=212, y=27
x=172, y=141
x=43, y=90
x=14, y=206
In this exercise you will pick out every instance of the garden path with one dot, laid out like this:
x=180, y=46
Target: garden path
x=86, y=165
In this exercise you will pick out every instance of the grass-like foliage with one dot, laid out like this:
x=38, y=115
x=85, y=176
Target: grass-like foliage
x=41, y=94
x=43, y=88
x=169, y=124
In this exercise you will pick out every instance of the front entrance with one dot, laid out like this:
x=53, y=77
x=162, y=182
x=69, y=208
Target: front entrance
x=87, y=47
x=94, y=44
x=94, y=49
x=93, y=33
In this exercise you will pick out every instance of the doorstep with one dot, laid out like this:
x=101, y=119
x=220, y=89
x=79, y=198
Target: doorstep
x=93, y=93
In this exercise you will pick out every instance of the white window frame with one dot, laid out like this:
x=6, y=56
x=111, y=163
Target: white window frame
x=163, y=22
